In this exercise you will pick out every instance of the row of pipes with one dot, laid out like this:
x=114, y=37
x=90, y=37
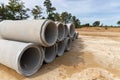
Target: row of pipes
x=26, y=44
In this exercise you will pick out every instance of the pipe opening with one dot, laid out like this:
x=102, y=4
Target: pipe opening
x=77, y=35
x=60, y=48
x=51, y=33
x=30, y=61
x=72, y=30
x=61, y=31
x=69, y=43
x=66, y=31
x=50, y=54
x=74, y=37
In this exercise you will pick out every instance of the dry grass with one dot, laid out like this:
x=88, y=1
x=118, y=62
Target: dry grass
x=99, y=29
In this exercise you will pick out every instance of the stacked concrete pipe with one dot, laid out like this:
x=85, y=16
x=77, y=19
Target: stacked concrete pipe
x=39, y=40
x=74, y=37
x=77, y=35
x=60, y=47
x=61, y=31
x=68, y=42
x=43, y=32
x=66, y=31
x=25, y=58
x=50, y=54
x=71, y=30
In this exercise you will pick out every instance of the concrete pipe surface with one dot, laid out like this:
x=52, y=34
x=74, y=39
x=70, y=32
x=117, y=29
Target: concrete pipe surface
x=71, y=29
x=25, y=58
x=66, y=31
x=74, y=37
x=50, y=54
x=68, y=42
x=60, y=48
x=61, y=31
x=77, y=35
x=43, y=32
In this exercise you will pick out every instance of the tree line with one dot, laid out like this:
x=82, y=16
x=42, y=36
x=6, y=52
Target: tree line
x=99, y=24
x=16, y=10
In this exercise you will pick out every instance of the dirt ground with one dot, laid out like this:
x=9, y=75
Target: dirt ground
x=94, y=56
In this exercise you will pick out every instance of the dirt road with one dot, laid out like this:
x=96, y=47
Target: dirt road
x=94, y=56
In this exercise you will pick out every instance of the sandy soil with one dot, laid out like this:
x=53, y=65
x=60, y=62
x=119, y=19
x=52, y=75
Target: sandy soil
x=94, y=56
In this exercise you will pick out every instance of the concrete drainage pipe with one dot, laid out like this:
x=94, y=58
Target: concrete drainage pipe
x=60, y=48
x=68, y=42
x=71, y=30
x=50, y=54
x=66, y=31
x=43, y=32
x=74, y=37
x=25, y=58
x=77, y=35
x=61, y=31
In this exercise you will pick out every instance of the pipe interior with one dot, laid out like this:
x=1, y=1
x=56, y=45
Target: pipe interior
x=72, y=29
x=30, y=60
x=51, y=33
x=61, y=48
x=61, y=31
x=50, y=54
x=66, y=31
x=74, y=36
x=69, y=43
x=77, y=35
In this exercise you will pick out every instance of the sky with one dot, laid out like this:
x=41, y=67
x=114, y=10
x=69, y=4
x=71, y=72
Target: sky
x=88, y=11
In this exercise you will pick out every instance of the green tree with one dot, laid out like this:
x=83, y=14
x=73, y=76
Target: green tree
x=36, y=12
x=65, y=17
x=17, y=10
x=57, y=17
x=75, y=21
x=118, y=22
x=86, y=25
x=22, y=12
x=3, y=12
x=49, y=9
x=96, y=23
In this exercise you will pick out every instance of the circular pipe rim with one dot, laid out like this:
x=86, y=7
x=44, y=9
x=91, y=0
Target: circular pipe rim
x=46, y=23
x=69, y=44
x=61, y=52
x=46, y=60
x=66, y=31
x=36, y=68
x=71, y=29
x=59, y=24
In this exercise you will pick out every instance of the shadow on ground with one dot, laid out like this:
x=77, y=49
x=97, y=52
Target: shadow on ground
x=70, y=58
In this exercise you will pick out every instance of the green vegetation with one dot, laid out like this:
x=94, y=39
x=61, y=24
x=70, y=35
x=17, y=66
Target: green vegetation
x=96, y=23
x=86, y=25
x=37, y=12
x=49, y=9
x=16, y=10
x=118, y=22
